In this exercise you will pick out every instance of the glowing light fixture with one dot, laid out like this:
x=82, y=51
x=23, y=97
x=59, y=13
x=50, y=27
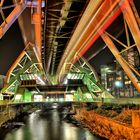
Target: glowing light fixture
x=118, y=84
x=18, y=97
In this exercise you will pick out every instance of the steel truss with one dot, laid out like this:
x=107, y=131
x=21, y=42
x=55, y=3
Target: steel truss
x=81, y=41
x=130, y=23
x=18, y=8
x=90, y=79
x=25, y=63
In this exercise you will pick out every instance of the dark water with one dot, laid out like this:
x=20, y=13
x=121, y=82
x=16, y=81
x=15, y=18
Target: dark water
x=51, y=126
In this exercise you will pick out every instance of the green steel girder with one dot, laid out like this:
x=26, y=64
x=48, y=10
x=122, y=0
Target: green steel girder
x=16, y=77
x=19, y=66
x=91, y=81
x=91, y=78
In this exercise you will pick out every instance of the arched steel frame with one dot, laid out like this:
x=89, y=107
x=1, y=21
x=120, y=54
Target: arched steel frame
x=95, y=24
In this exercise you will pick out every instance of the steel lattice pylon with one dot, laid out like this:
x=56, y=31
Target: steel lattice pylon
x=90, y=80
x=26, y=63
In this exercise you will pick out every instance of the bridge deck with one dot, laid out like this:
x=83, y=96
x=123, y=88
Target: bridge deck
x=107, y=100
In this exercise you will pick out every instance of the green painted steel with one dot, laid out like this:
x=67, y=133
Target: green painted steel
x=27, y=96
x=16, y=77
x=90, y=79
x=91, y=82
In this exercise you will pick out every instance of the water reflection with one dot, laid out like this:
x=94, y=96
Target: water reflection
x=49, y=127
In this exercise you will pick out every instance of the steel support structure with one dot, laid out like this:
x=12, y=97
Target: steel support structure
x=91, y=25
x=26, y=55
x=14, y=66
x=120, y=59
x=36, y=17
x=82, y=66
x=11, y=18
x=131, y=21
x=16, y=77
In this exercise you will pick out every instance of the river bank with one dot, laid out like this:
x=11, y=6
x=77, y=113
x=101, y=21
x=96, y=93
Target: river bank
x=107, y=127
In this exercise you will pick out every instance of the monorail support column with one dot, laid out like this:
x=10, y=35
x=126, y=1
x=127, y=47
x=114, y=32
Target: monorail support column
x=131, y=21
x=36, y=19
x=119, y=58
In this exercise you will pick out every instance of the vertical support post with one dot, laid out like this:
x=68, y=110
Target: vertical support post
x=119, y=58
x=37, y=21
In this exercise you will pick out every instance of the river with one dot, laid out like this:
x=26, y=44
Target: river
x=49, y=126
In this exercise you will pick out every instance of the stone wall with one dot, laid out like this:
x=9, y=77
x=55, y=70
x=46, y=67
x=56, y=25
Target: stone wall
x=7, y=114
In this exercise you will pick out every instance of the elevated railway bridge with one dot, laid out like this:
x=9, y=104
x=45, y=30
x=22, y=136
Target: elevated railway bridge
x=61, y=52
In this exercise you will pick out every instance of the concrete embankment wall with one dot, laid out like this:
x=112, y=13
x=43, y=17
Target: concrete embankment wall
x=9, y=112
x=6, y=115
x=109, y=128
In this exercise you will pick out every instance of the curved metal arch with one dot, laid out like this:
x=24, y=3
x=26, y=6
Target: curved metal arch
x=91, y=78
x=90, y=27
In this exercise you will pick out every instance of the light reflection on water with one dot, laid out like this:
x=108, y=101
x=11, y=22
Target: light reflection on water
x=50, y=127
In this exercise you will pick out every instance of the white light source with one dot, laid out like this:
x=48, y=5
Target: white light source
x=72, y=91
x=66, y=82
x=69, y=97
x=88, y=95
x=1, y=97
x=18, y=97
x=118, y=84
x=38, y=98
x=41, y=81
x=69, y=75
x=108, y=89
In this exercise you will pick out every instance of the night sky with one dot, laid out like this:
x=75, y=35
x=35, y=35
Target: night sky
x=11, y=45
x=105, y=57
x=102, y=55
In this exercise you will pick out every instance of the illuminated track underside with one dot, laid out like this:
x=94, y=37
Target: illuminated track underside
x=63, y=45
x=89, y=30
